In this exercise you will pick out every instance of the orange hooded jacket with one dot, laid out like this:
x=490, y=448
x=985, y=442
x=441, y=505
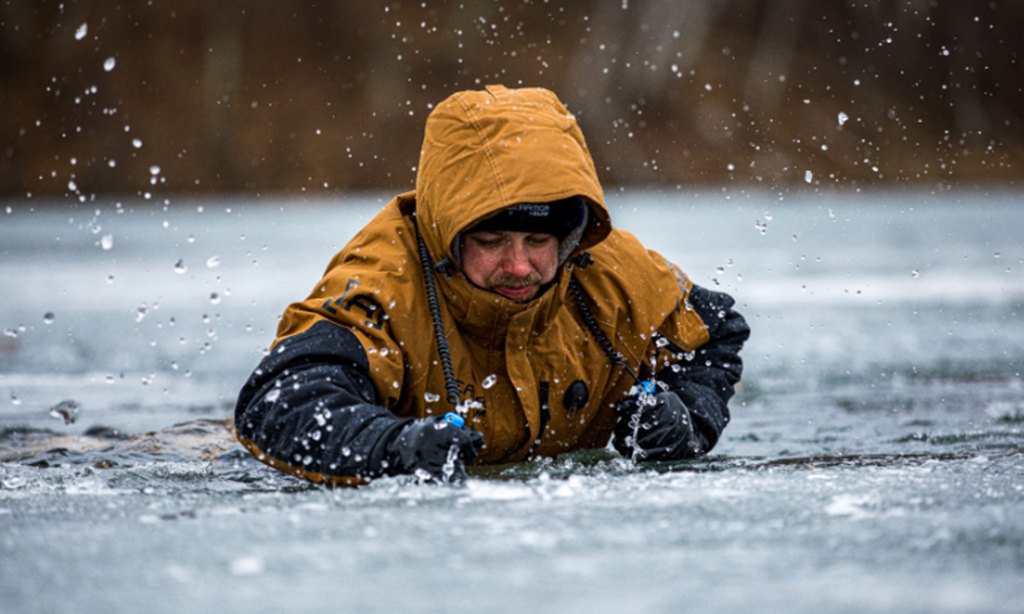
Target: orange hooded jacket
x=540, y=381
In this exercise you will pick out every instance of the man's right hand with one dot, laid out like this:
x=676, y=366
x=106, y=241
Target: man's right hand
x=433, y=449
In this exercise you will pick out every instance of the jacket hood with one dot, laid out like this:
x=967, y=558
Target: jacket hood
x=487, y=150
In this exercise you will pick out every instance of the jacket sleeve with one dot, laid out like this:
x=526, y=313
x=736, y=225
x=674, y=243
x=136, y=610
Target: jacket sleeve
x=704, y=379
x=310, y=409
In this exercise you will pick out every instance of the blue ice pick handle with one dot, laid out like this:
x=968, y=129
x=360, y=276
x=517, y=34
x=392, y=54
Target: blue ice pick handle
x=647, y=386
x=455, y=420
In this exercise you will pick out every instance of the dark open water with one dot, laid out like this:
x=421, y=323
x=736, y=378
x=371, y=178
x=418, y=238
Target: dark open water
x=874, y=462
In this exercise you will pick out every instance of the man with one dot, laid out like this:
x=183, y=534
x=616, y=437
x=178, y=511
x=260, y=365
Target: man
x=497, y=293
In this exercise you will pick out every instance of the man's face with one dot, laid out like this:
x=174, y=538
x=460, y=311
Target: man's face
x=513, y=264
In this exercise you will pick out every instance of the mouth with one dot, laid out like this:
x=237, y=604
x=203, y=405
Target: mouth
x=517, y=293
x=516, y=288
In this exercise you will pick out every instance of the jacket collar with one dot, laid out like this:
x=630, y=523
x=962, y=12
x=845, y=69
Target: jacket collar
x=486, y=316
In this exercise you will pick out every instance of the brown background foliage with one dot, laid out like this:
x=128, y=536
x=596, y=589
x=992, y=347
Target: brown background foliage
x=318, y=97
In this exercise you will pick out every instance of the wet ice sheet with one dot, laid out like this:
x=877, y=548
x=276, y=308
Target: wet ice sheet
x=798, y=537
x=873, y=464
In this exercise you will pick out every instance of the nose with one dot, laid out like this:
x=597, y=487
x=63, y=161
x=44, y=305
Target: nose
x=516, y=261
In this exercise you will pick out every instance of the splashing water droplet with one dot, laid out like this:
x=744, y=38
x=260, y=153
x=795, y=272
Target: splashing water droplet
x=107, y=242
x=213, y=262
x=808, y=177
x=489, y=381
x=842, y=118
x=81, y=31
x=430, y=397
x=48, y=317
x=915, y=273
x=109, y=64
x=180, y=268
x=214, y=298
x=137, y=143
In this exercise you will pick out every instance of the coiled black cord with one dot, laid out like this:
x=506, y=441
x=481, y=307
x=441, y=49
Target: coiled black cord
x=588, y=318
x=443, y=351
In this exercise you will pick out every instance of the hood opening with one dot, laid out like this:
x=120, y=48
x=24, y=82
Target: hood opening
x=554, y=217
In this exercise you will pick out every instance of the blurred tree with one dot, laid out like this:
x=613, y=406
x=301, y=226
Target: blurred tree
x=184, y=96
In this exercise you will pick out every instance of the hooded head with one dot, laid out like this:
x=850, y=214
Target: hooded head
x=509, y=158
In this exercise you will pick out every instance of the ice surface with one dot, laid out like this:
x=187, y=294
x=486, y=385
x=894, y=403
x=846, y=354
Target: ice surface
x=873, y=462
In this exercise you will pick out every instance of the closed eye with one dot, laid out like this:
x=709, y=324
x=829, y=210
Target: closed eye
x=486, y=242
x=539, y=239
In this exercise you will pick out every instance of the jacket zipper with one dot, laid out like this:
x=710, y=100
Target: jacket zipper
x=545, y=414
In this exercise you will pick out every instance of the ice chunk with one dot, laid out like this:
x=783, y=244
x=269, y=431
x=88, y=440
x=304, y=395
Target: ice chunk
x=66, y=410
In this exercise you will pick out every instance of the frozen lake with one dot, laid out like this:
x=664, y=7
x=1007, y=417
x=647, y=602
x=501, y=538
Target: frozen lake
x=875, y=461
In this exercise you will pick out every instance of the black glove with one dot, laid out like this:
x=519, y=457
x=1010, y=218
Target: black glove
x=433, y=449
x=661, y=430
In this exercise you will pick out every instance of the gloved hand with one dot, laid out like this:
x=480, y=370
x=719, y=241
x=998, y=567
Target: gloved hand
x=660, y=430
x=433, y=449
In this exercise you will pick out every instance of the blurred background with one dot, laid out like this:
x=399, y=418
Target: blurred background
x=187, y=96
